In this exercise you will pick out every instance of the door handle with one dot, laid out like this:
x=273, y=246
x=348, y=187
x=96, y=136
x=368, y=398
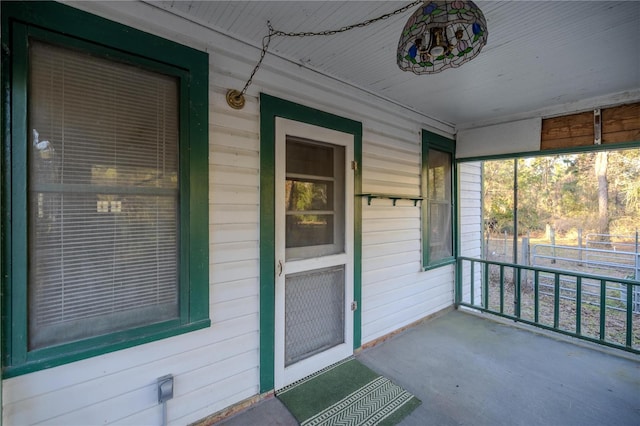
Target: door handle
x=280, y=267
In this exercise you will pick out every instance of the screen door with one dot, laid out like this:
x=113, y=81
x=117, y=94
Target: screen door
x=314, y=249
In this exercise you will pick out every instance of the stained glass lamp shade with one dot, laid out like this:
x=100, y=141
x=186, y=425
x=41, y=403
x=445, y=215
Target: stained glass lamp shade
x=441, y=35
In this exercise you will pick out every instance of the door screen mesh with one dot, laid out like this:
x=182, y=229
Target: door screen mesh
x=314, y=312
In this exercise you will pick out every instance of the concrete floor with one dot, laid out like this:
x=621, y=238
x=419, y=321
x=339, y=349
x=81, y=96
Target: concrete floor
x=471, y=370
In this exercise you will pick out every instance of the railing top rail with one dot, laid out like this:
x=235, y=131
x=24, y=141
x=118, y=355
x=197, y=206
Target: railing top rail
x=552, y=271
x=593, y=234
x=592, y=250
x=592, y=263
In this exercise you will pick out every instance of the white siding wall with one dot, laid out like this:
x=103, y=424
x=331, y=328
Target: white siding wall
x=470, y=210
x=219, y=366
x=395, y=291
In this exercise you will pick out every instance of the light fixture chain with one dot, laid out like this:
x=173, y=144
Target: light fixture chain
x=236, y=99
x=348, y=27
x=265, y=46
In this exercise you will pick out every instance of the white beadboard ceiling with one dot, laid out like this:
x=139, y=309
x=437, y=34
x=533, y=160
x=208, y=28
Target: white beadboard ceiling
x=540, y=55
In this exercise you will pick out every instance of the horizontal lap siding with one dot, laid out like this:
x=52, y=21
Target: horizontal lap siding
x=391, y=165
x=470, y=210
x=395, y=290
x=217, y=367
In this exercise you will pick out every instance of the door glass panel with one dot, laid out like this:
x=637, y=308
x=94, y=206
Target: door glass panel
x=314, y=199
x=314, y=317
x=309, y=158
x=305, y=228
x=308, y=195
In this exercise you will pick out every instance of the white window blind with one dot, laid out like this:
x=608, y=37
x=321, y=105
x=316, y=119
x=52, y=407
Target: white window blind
x=103, y=196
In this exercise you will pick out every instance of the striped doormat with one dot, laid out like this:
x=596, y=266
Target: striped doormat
x=347, y=393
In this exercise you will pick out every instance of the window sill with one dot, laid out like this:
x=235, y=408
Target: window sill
x=439, y=264
x=72, y=352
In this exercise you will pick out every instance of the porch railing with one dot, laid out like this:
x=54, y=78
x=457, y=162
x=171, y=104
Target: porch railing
x=553, y=299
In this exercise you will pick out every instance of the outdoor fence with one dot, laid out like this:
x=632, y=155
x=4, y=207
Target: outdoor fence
x=599, y=256
x=596, y=254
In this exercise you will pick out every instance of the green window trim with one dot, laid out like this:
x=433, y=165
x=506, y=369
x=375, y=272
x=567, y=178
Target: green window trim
x=64, y=25
x=432, y=141
x=270, y=108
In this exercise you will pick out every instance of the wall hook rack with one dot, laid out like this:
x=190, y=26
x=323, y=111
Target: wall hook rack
x=393, y=197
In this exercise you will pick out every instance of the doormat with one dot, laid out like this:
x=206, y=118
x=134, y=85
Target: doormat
x=347, y=393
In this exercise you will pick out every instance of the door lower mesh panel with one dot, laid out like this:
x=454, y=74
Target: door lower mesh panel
x=314, y=312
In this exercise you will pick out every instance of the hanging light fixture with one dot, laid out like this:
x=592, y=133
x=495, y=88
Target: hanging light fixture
x=441, y=35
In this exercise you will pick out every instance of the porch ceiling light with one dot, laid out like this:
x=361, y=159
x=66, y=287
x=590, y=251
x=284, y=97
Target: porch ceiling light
x=441, y=35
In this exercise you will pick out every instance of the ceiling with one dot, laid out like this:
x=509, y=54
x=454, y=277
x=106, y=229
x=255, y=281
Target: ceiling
x=539, y=54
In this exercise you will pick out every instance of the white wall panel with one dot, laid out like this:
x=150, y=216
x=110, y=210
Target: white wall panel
x=506, y=138
x=471, y=226
x=470, y=205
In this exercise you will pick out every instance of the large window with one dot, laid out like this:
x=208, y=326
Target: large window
x=578, y=211
x=437, y=208
x=108, y=155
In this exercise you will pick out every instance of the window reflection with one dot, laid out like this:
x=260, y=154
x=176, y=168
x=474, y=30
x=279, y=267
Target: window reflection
x=314, y=198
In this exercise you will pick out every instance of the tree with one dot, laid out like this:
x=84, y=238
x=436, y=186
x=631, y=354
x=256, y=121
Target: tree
x=600, y=167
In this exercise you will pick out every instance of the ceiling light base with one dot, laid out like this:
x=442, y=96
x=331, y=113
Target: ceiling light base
x=235, y=99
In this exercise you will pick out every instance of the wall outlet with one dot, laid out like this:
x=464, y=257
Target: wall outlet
x=165, y=388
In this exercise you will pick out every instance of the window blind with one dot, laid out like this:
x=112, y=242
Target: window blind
x=439, y=199
x=103, y=195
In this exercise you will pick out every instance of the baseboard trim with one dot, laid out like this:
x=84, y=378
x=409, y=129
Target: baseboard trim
x=381, y=339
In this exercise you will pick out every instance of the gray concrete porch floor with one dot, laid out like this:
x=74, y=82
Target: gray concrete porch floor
x=471, y=370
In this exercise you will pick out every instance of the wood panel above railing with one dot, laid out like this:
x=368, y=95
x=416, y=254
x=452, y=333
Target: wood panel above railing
x=621, y=124
x=618, y=125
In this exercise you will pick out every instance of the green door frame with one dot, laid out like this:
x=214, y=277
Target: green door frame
x=270, y=108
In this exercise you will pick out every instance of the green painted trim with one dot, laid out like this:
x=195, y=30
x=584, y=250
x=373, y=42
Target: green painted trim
x=1, y=271
x=357, y=236
x=439, y=143
x=629, y=333
x=267, y=243
x=270, y=108
x=4, y=194
x=18, y=297
x=457, y=294
x=575, y=150
x=436, y=265
x=516, y=210
x=129, y=338
x=456, y=198
x=623, y=281
x=198, y=191
x=424, y=208
x=603, y=306
x=66, y=26
x=455, y=209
